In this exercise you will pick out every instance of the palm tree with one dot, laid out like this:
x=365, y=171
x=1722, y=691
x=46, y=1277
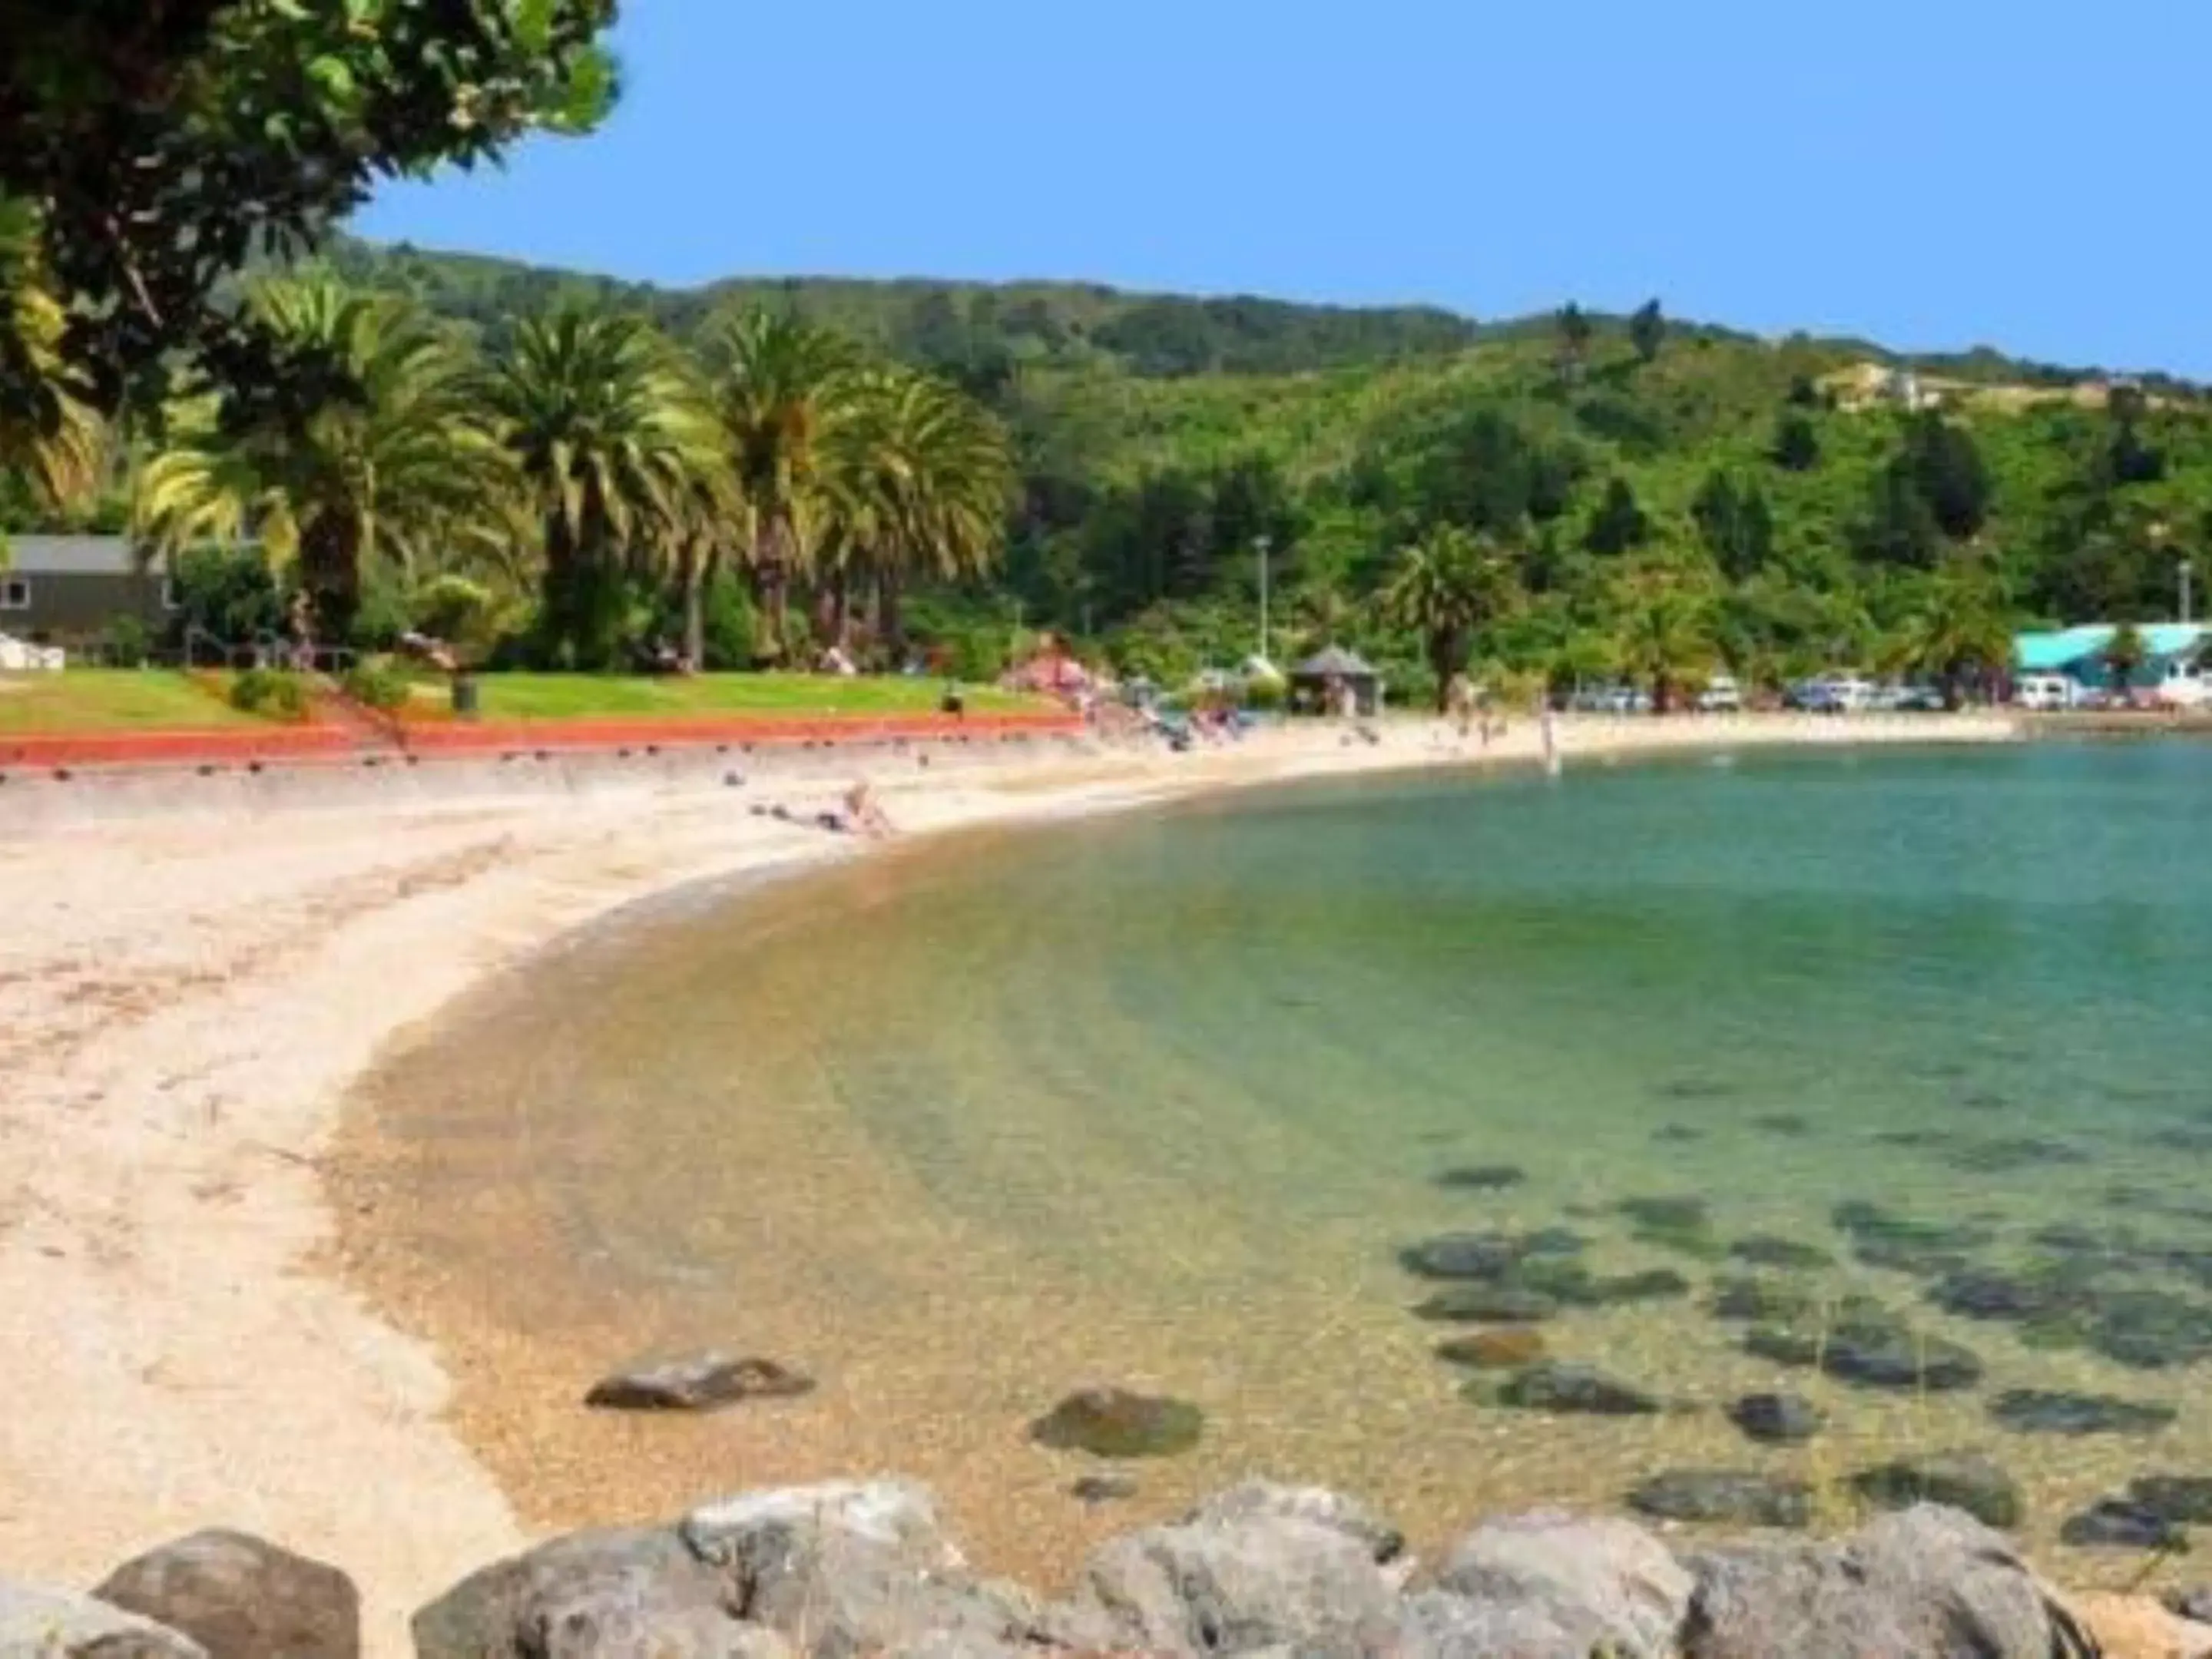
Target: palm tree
x=1960, y=630
x=918, y=477
x=1664, y=633
x=619, y=457
x=777, y=382
x=1449, y=584
x=371, y=452
x=2123, y=654
x=49, y=433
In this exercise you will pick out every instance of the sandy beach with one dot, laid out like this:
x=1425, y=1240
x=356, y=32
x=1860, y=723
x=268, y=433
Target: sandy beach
x=184, y=1000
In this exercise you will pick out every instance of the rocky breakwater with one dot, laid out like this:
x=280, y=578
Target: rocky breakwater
x=842, y=1571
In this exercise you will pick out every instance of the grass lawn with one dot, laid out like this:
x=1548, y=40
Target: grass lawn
x=110, y=699
x=569, y=696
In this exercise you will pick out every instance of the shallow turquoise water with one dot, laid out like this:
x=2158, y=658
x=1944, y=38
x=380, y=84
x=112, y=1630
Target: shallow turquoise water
x=1163, y=1094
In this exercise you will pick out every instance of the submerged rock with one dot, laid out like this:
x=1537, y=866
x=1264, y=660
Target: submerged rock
x=1684, y=1225
x=1676, y=1134
x=1696, y=1088
x=2117, y=1523
x=1735, y=1497
x=1504, y=1305
x=1561, y=1387
x=2004, y=1154
x=1865, y=1221
x=1788, y=1124
x=2176, y=1497
x=1116, y=1423
x=1487, y=1256
x=1776, y=1419
x=1767, y=1251
x=699, y=1382
x=1506, y=1349
x=240, y=1597
x=2059, y=1292
x=2044, y=1411
x=1865, y=1344
x=1959, y=1480
x=1764, y=1300
x=2151, y=1330
x=1484, y=1177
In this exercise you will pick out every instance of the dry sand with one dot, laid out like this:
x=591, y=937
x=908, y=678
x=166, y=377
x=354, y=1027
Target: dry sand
x=184, y=1001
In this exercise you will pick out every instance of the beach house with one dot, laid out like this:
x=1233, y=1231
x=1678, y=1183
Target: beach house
x=2080, y=654
x=71, y=589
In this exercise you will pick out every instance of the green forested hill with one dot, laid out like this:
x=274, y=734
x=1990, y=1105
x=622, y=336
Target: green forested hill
x=1812, y=508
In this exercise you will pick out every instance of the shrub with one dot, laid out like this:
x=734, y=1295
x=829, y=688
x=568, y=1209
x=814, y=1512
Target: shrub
x=378, y=685
x=455, y=609
x=979, y=656
x=270, y=691
x=230, y=594
x=1265, y=692
x=127, y=643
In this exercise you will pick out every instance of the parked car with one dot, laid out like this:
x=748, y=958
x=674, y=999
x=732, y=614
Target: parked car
x=1833, y=694
x=1722, y=695
x=2047, y=693
x=1610, y=700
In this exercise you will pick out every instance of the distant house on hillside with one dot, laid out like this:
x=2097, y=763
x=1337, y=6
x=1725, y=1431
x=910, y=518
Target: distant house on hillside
x=68, y=590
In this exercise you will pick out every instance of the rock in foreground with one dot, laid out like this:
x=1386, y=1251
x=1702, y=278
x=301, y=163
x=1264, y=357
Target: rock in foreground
x=1115, y=1423
x=1928, y=1583
x=700, y=1382
x=1547, y=1584
x=241, y=1598
x=44, y=1623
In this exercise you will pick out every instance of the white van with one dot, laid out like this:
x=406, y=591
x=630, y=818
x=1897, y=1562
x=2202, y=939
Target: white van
x=2184, y=686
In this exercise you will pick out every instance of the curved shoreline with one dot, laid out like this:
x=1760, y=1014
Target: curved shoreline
x=184, y=1008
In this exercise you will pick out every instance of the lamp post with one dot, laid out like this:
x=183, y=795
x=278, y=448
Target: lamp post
x=1262, y=543
x=2186, y=573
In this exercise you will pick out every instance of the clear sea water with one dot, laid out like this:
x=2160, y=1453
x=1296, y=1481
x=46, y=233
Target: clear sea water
x=1157, y=1099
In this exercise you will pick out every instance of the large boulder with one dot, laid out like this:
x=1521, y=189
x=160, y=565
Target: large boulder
x=1259, y=1500
x=633, y=1594
x=854, y=1567
x=44, y=1624
x=2137, y=1627
x=1537, y=1585
x=240, y=1597
x=1241, y=1585
x=1923, y=1584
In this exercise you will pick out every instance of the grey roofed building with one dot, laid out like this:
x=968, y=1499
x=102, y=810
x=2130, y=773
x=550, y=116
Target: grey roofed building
x=70, y=589
x=1319, y=676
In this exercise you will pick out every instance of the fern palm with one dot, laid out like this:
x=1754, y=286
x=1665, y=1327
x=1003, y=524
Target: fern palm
x=374, y=455
x=614, y=448
x=917, y=479
x=49, y=435
x=1448, y=585
x=778, y=384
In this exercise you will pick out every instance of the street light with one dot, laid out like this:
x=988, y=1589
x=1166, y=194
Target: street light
x=2186, y=571
x=1262, y=543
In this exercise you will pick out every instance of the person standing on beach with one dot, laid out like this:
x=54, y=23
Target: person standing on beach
x=1548, y=724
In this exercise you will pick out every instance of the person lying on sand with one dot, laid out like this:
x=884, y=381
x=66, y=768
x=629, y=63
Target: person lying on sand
x=864, y=814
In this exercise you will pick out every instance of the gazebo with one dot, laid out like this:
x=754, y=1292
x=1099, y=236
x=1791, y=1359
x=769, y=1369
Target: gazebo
x=1319, y=682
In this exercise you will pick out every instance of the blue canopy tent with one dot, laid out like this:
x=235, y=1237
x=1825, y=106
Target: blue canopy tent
x=2079, y=653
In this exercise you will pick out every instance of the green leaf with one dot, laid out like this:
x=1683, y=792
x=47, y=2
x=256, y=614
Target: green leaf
x=334, y=75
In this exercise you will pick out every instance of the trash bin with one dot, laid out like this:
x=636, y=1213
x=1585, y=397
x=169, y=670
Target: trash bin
x=464, y=696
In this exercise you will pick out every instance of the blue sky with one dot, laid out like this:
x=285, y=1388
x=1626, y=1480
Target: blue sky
x=1934, y=174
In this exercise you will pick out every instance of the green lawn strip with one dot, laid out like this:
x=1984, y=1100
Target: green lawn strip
x=587, y=697
x=112, y=700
